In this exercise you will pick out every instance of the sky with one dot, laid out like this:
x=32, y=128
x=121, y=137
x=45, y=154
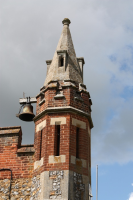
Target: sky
x=102, y=33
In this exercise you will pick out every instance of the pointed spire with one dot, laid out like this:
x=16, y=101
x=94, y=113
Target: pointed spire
x=64, y=65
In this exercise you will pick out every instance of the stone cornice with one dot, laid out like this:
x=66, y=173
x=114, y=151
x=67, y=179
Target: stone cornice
x=26, y=149
x=10, y=127
x=10, y=130
x=64, y=109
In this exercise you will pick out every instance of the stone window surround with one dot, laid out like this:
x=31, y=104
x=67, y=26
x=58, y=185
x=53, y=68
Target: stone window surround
x=57, y=159
x=61, y=58
x=60, y=121
x=80, y=124
x=62, y=54
x=60, y=158
x=74, y=159
x=38, y=163
x=41, y=125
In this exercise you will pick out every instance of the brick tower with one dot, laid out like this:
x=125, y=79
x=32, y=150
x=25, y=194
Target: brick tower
x=63, y=126
x=58, y=164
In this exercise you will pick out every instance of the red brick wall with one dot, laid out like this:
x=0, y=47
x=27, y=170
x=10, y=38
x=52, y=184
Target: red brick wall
x=81, y=103
x=21, y=163
x=67, y=143
x=84, y=145
x=48, y=140
x=67, y=131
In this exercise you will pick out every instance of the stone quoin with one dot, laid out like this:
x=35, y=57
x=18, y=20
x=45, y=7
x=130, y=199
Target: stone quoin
x=58, y=164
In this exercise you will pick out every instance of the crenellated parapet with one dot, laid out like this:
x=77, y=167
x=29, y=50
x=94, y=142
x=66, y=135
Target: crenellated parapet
x=15, y=156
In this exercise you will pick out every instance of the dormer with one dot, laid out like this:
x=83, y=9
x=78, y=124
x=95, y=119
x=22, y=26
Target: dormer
x=62, y=57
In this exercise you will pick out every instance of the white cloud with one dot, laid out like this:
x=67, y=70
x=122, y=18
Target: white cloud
x=130, y=196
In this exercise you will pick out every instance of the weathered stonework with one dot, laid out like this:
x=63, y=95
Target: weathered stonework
x=56, y=176
x=35, y=188
x=57, y=159
x=79, y=187
x=21, y=189
x=83, y=162
x=71, y=69
x=41, y=125
x=38, y=163
x=59, y=120
x=78, y=123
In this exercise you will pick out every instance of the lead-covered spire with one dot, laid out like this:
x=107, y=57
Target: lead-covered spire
x=64, y=65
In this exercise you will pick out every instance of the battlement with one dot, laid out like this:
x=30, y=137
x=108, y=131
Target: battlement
x=13, y=155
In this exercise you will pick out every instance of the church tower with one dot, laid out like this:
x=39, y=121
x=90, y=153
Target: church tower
x=63, y=126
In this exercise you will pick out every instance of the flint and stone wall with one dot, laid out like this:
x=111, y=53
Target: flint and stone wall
x=64, y=184
x=60, y=184
x=21, y=189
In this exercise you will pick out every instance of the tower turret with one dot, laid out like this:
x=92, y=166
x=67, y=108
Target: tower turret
x=63, y=126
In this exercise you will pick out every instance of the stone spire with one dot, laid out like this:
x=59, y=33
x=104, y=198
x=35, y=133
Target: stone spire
x=64, y=65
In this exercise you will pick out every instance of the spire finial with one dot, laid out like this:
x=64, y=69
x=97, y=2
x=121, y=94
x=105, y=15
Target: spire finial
x=66, y=21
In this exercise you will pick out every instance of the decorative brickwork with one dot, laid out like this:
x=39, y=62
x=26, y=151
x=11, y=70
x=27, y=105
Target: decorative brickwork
x=72, y=96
